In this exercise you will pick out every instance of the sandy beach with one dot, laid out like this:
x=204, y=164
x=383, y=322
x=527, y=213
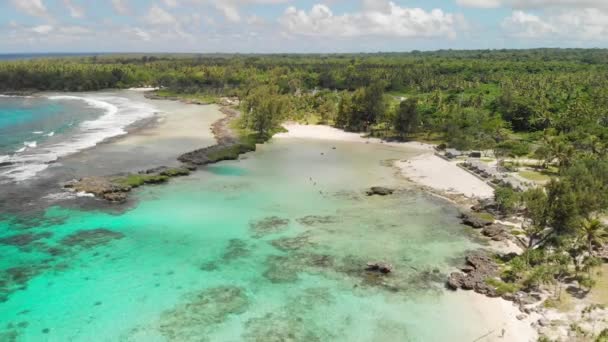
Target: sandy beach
x=426, y=169
x=500, y=315
x=439, y=174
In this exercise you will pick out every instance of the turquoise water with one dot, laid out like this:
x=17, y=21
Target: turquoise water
x=269, y=248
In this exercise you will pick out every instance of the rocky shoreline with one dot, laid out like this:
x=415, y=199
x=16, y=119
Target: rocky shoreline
x=116, y=188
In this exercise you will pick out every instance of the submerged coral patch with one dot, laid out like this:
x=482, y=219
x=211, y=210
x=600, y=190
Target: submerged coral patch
x=201, y=312
x=268, y=225
x=23, y=240
x=293, y=243
x=276, y=327
x=236, y=249
x=313, y=220
x=91, y=238
x=16, y=278
x=285, y=268
x=292, y=322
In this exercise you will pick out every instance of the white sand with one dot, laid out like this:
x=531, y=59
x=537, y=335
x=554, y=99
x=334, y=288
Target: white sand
x=143, y=89
x=321, y=132
x=499, y=314
x=426, y=169
x=440, y=174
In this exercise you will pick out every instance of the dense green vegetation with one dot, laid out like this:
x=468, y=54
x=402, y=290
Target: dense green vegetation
x=503, y=100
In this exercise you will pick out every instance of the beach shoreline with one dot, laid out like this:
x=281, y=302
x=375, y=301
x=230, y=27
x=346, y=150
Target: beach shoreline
x=441, y=178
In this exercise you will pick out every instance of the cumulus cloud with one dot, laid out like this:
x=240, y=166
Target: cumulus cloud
x=229, y=11
x=42, y=29
x=537, y=4
x=140, y=33
x=170, y=3
x=158, y=16
x=120, y=6
x=481, y=3
x=393, y=21
x=527, y=25
x=32, y=7
x=75, y=11
x=576, y=24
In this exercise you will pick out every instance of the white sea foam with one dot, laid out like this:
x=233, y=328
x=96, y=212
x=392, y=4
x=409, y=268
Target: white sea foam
x=6, y=96
x=30, y=144
x=119, y=113
x=37, y=132
x=50, y=134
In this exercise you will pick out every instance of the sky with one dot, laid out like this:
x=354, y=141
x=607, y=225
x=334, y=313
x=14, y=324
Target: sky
x=298, y=26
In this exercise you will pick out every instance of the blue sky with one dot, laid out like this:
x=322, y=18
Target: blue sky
x=298, y=25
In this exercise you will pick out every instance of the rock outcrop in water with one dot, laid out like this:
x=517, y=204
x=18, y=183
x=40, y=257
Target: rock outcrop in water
x=228, y=147
x=380, y=191
x=474, y=220
x=116, y=188
x=101, y=187
x=380, y=267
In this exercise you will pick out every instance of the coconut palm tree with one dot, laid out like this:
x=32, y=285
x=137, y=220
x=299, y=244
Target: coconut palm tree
x=593, y=233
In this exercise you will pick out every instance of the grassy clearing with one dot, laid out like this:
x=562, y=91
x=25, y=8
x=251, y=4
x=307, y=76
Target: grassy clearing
x=534, y=176
x=563, y=304
x=599, y=294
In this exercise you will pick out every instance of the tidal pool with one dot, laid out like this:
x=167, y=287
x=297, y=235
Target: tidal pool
x=269, y=248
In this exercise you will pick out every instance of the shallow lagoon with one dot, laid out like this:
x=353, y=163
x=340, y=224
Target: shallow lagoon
x=268, y=248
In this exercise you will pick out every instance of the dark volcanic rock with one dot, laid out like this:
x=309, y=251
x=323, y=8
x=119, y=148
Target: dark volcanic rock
x=380, y=191
x=381, y=267
x=481, y=267
x=155, y=170
x=474, y=221
x=101, y=187
x=496, y=232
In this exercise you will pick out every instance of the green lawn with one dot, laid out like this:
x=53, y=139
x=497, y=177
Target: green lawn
x=534, y=176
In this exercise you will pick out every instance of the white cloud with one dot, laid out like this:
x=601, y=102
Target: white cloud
x=538, y=4
x=42, y=29
x=75, y=11
x=395, y=21
x=143, y=35
x=120, y=6
x=526, y=25
x=170, y=3
x=32, y=7
x=229, y=11
x=158, y=16
x=587, y=24
x=481, y=3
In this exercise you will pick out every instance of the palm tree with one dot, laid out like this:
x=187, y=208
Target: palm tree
x=594, y=233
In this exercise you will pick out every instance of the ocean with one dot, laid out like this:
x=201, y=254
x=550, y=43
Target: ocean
x=270, y=247
x=35, y=131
